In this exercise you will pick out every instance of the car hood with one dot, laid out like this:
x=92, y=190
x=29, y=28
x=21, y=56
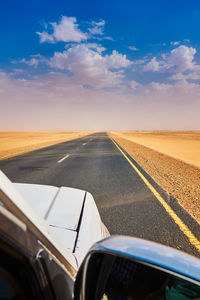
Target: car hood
x=71, y=213
x=60, y=207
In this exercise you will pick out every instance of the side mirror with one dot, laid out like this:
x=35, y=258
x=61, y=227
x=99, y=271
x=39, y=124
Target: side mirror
x=124, y=268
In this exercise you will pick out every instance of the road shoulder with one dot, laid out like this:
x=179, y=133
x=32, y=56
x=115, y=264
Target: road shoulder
x=180, y=180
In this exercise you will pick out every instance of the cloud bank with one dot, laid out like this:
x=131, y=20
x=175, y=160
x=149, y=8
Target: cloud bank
x=88, y=86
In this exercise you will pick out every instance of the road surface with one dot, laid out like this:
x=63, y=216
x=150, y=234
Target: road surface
x=126, y=204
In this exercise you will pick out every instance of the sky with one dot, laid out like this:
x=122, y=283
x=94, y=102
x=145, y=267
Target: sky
x=100, y=65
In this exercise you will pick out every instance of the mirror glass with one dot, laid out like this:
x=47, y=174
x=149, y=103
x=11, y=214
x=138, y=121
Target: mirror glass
x=116, y=278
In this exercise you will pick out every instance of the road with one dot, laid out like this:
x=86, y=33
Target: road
x=126, y=204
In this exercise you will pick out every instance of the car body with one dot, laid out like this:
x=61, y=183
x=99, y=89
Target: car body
x=50, y=227
x=46, y=234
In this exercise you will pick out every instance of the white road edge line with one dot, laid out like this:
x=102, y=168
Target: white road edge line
x=66, y=156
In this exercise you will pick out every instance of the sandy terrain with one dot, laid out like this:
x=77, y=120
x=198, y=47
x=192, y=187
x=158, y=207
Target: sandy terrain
x=14, y=143
x=178, y=178
x=181, y=145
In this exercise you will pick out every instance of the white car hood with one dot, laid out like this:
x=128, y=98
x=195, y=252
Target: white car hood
x=71, y=213
x=60, y=207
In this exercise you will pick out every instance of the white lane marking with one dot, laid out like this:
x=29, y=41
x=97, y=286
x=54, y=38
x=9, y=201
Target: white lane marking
x=84, y=144
x=66, y=156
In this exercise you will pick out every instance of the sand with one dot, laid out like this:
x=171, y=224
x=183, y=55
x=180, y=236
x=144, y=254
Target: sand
x=15, y=143
x=176, y=173
x=180, y=145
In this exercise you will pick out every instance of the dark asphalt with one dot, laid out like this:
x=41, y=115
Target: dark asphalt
x=125, y=203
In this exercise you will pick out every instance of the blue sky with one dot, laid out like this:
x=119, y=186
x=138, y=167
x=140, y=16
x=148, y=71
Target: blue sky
x=99, y=65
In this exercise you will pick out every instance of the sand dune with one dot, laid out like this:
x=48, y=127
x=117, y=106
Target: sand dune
x=14, y=143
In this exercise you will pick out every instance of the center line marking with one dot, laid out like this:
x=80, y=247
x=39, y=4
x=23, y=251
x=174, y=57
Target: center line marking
x=187, y=232
x=66, y=156
x=84, y=144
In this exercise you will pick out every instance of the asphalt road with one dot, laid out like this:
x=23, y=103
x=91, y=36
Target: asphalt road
x=95, y=164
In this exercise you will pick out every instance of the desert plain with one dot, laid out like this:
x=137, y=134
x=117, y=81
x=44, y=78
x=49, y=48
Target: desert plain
x=172, y=159
x=183, y=145
x=15, y=143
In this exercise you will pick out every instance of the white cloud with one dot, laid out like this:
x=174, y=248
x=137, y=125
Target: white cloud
x=66, y=31
x=90, y=67
x=97, y=27
x=178, y=60
x=160, y=86
x=153, y=65
x=95, y=46
x=139, y=61
x=17, y=72
x=117, y=60
x=85, y=61
x=33, y=62
x=134, y=84
x=175, y=43
x=181, y=58
x=108, y=38
x=180, y=76
x=45, y=37
x=133, y=48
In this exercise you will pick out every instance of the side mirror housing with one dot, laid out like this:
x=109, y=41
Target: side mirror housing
x=129, y=268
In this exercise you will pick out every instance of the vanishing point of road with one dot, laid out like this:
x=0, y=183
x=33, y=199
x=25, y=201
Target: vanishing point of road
x=126, y=204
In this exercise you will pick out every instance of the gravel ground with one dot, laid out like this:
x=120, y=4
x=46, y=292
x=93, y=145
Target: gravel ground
x=178, y=179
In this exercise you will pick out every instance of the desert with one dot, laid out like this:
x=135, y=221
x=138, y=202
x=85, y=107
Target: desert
x=15, y=143
x=172, y=159
x=183, y=145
